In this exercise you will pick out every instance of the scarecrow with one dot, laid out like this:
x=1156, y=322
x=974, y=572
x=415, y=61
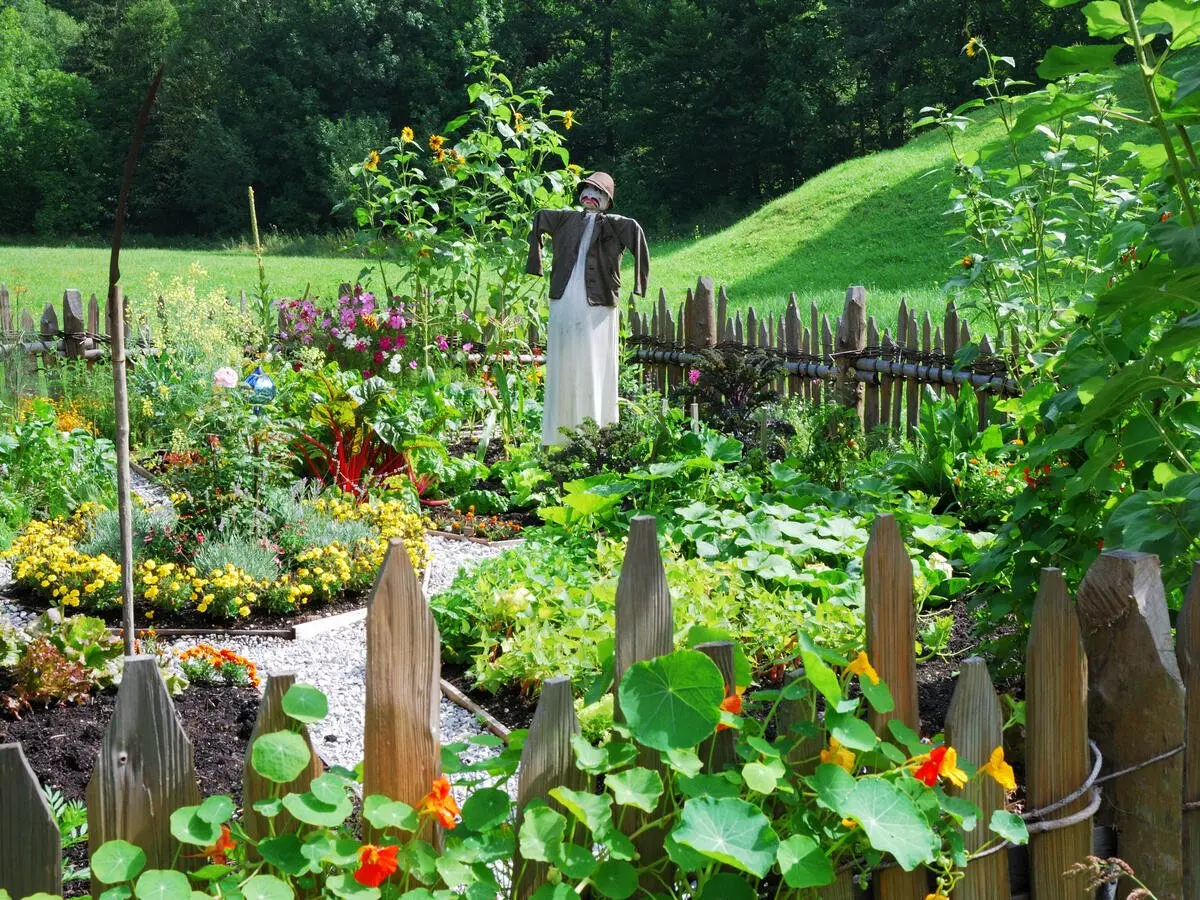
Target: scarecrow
x=585, y=282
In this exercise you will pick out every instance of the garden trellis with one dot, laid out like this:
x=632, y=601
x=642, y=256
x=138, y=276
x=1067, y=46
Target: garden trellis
x=1104, y=666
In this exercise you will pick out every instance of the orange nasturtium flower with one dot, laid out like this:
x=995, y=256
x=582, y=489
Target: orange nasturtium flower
x=731, y=704
x=372, y=162
x=940, y=762
x=375, y=864
x=838, y=755
x=439, y=802
x=998, y=768
x=218, y=851
x=406, y=135
x=862, y=667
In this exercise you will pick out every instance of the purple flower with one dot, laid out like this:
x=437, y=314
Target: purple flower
x=466, y=316
x=442, y=343
x=693, y=376
x=468, y=347
x=412, y=363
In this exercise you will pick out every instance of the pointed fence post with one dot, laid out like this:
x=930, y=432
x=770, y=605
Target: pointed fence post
x=145, y=771
x=975, y=727
x=1135, y=713
x=271, y=717
x=30, y=845
x=402, y=731
x=851, y=339
x=1187, y=653
x=891, y=635
x=702, y=324
x=644, y=630
x=547, y=761
x=1056, y=729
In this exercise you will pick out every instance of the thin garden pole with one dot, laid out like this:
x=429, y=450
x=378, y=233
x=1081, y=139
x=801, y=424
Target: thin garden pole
x=116, y=313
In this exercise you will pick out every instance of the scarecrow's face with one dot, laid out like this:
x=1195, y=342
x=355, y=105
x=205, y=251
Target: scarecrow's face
x=593, y=198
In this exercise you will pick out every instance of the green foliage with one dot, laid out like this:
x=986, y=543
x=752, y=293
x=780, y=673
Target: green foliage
x=104, y=531
x=256, y=557
x=71, y=818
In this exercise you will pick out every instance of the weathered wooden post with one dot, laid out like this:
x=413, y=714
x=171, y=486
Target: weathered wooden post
x=144, y=773
x=547, y=761
x=851, y=339
x=975, y=727
x=74, y=327
x=403, y=688
x=30, y=844
x=1136, y=713
x=717, y=752
x=644, y=630
x=271, y=717
x=702, y=327
x=1056, y=730
x=891, y=637
x=1187, y=652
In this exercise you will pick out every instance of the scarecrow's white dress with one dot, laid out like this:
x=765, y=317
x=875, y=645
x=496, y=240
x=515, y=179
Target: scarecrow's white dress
x=581, y=355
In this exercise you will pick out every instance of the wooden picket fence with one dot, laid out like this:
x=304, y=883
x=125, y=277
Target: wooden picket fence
x=1103, y=666
x=849, y=362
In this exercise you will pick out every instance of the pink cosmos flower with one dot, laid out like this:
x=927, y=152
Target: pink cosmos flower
x=693, y=376
x=385, y=343
x=378, y=357
x=442, y=343
x=468, y=347
x=412, y=363
x=225, y=377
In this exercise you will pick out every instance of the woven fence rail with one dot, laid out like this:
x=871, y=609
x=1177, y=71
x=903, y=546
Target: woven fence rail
x=1112, y=705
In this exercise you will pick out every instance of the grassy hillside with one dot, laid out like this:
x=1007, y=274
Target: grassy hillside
x=878, y=221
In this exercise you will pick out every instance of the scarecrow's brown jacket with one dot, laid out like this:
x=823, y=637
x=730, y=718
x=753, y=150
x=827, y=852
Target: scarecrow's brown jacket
x=611, y=237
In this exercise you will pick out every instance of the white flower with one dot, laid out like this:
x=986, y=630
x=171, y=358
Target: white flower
x=225, y=377
x=395, y=364
x=350, y=342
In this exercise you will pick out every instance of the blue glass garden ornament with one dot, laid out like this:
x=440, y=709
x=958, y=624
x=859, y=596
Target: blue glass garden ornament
x=261, y=387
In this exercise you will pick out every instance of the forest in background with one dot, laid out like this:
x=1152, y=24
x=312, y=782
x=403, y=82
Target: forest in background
x=702, y=109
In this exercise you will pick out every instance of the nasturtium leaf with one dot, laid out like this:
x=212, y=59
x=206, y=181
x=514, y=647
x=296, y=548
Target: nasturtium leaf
x=484, y=808
x=211, y=872
x=120, y=892
x=766, y=748
x=382, y=812
x=730, y=831
x=803, y=863
x=188, y=828
x=280, y=756
x=328, y=788
x=217, y=809
x=1060, y=61
x=162, y=884
x=833, y=785
x=597, y=760
x=850, y=731
x=266, y=887
x=964, y=812
x=284, y=853
x=908, y=738
x=616, y=879
x=418, y=894
x=819, y=675
x=760, y=778
x=574, y=861
x=541, y=833
x=270, y=807
x=636, y=786
x=671, y=702
x=707, y=786
x=310, y=810
x=593, y=810
x=879, y=696
x=619, y=846
x=727, y=886
x=305, y=703
x=891, y=822
x=344, y=886
x=558, y=891
x=1009, y=826
x=685, y=762
x=117, y=861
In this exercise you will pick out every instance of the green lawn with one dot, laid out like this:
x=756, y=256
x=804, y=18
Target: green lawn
x=37, y=275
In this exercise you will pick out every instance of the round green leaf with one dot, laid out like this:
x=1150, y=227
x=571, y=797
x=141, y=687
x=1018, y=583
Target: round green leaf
x=730, y=831
x=117, y=861
x=271, y=807
x=212, y=872
x=541, y=833
x=615, y=879
x=267, y=887
x=672, y=702
x=803, y=863
x=305, y=703
x=162, y=884
x=381, y=812
x=891, y=821
x=851, y=732
x=574, y=861
x=728, y=886
x=593, y=810
x=308, y=809
x=485, y=808
x=1009, y=826
x=328, y=788
x=283, y=852
x=280, y=756
x=344, y=886
x=217, y=809
x=188, y=828
x=120, y=892
x=637, y=786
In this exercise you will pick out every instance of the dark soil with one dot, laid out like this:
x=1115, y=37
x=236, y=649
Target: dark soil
x=63, y=743
x=509, y=707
